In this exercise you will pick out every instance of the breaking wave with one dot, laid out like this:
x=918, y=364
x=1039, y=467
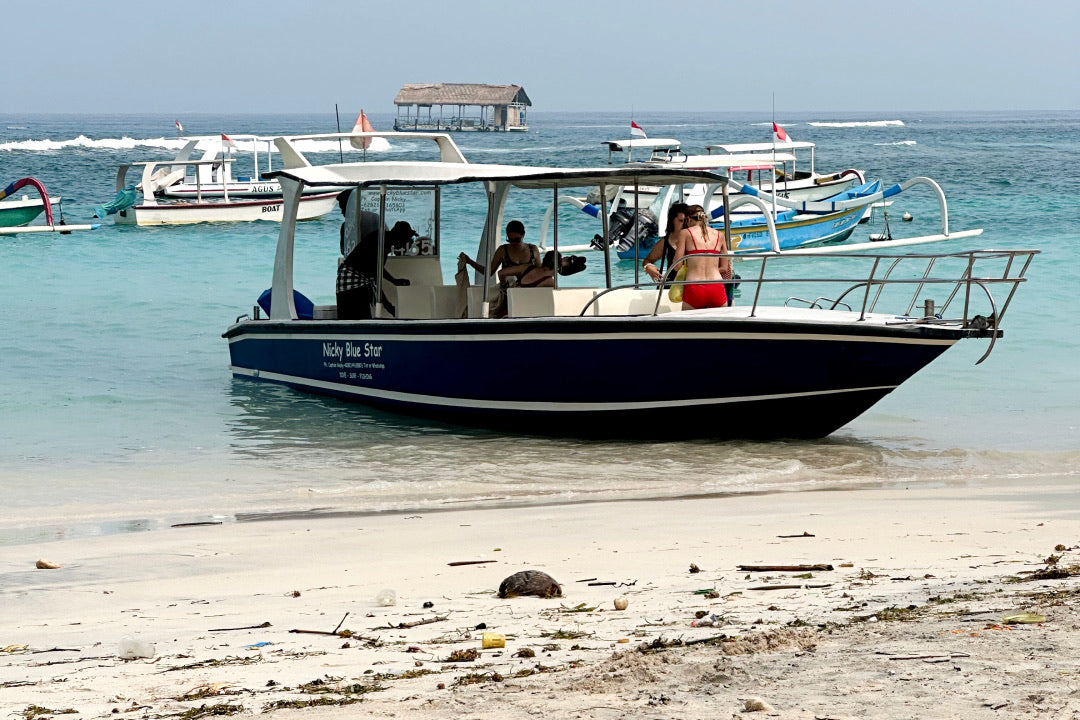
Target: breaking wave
x=860, y=123
x=174, y=144
x=898, y=142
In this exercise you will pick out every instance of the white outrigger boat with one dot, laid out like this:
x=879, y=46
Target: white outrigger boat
x=770, y=167
x=212, y=178
x=436, y=352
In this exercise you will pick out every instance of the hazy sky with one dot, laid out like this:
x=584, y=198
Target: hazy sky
x=645, y=55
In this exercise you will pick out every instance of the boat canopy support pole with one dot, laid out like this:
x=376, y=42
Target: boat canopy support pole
x=282, y=306
x=607, y=237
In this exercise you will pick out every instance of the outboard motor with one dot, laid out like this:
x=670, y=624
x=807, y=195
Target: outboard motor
x=623, y=231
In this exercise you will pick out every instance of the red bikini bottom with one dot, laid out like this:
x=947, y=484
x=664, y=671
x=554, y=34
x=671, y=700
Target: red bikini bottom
x=705, y=296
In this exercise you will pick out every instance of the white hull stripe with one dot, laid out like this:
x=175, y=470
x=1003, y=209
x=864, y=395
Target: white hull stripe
x=438, y=400
x=456, y=337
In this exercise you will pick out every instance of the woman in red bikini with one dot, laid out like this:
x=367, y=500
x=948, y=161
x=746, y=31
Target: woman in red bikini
x=700, y=239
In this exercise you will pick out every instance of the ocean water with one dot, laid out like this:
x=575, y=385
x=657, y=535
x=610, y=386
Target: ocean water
x=119, y=413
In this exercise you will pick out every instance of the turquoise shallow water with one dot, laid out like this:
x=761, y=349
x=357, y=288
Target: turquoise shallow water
x=119, y=411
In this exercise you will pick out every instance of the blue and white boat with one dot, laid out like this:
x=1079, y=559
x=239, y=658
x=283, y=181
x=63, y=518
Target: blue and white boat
x=436, y=353
x=792, y=229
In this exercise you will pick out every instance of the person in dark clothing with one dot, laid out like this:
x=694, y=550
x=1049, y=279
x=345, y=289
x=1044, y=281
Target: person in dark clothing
x=357, y=271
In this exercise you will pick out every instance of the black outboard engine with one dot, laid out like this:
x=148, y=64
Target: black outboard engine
x=623, y=231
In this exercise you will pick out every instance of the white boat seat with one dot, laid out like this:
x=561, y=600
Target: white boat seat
x=444, y=301
x=422, y=270
x=530, y=302
x=570, y=301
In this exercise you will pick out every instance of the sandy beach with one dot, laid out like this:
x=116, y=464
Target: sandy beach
x=281, y=616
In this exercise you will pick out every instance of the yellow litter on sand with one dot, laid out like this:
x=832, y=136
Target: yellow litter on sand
x=15, y=648
x=1023, y=618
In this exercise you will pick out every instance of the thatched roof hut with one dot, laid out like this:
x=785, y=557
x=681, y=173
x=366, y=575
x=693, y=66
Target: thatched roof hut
x=472, y=106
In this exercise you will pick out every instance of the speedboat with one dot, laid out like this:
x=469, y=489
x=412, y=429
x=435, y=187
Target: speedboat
x=436, y=351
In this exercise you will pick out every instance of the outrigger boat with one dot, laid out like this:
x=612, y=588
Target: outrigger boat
x=15, y=215
x=436, y=357
x=770, y=167
x=225, y=207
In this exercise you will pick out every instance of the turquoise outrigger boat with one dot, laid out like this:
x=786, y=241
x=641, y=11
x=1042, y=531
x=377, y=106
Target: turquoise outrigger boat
x=15, y=215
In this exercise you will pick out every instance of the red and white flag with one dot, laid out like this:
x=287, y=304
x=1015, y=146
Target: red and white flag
x=227, y=140
x=362, y=125
x=179, y=127
x=779, y=133
x=636, y=131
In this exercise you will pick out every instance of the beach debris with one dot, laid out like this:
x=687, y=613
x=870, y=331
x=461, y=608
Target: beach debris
x=131, y=648
x=597, y=584
x=246, y=627
x=336, y=631
x=801, y=535
x=756, y=704
x=14, y=649
x=710, y=621
x=941, y=657
x=34, y=711
x=1024, y=618
x=491, y=640
x=525, y=653
x=623, y=640
x=585, y=580
x=821, y=567
x=417, y=623
x=791, y=587
x=694, y=569
x=196, y=524
x=255, y=646
x=621, y=603
x=386, y=598
x=704, y=591
x=208, y=690
x=470, y=562
x=428, y=604
x=47, y=565
x=579, y=608
x=467, y=655
x=530, y=582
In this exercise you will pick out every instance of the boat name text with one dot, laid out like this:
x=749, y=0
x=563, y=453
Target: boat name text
x=338, y=351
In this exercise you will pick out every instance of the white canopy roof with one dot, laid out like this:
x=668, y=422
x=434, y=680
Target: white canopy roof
x=618, y=145
x=761, y=147
x=710, y=162
x=441, y=173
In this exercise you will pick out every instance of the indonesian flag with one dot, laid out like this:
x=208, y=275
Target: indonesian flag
x=179, y=127
x=362, y=125
x=636, y=131
x=226, y=139
x=779, y=133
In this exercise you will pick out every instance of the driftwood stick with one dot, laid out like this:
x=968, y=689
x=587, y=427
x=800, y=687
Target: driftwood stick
x=470, y=562
x=941, y=657
x=784, y=568
x=425, y=621
x=339, y=624
x=246, y=627
x=790, y=587
x=802, y=534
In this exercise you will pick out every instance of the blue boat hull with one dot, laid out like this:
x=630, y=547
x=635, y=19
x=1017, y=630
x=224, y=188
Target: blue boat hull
x=753, y=235
x=458, y=371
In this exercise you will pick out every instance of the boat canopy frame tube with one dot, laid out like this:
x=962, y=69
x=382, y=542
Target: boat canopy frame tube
x=282, y=305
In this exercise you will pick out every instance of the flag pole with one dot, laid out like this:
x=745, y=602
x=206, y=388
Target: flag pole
x=341, y=155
